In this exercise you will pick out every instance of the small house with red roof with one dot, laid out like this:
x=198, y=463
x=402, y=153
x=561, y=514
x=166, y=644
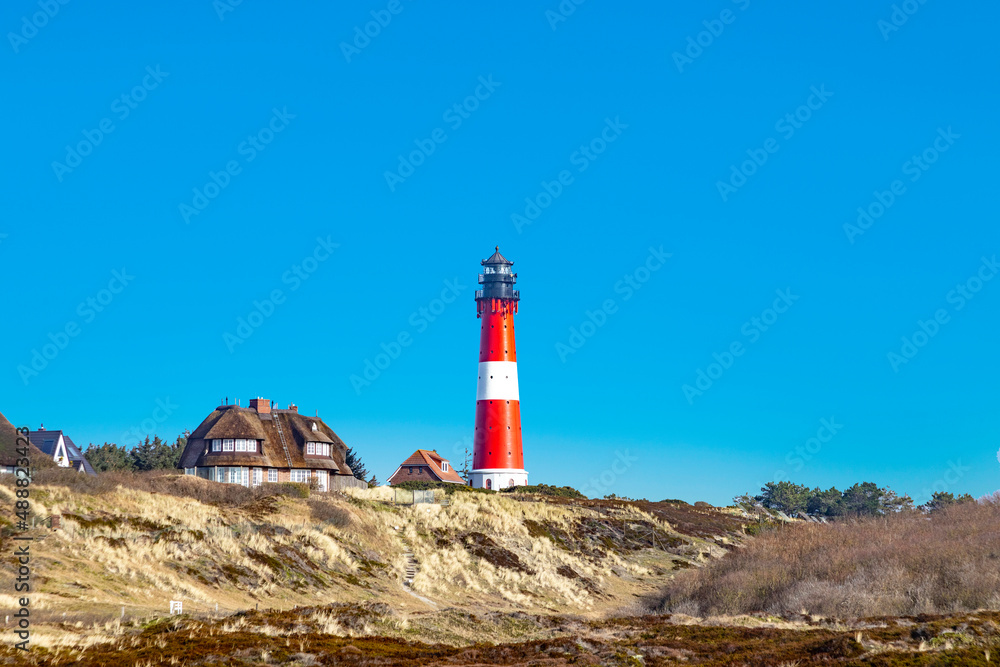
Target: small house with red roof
x=425, y=465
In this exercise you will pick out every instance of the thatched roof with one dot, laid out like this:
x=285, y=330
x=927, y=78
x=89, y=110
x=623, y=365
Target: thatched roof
x=238, y=423
x=8, y=448
x=229, y=421
x=303, y=427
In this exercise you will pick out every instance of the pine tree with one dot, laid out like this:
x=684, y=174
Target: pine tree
x=108, y=456
x=157, y=455
x=465, y=465
x=373, y=482
x=353, y=462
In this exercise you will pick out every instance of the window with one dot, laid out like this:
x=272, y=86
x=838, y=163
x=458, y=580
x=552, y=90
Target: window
x=444, y=466
x=314, y=427
x=489, y=483
x=272, y=475
x=257, y=475
x=411, y=471
x=241, y=445
x=326, y=449
x=300, y=476
x=310, y=448
x=321, y=479
x=216, y=445
x=252, y=446
x=227, y=445
x=234, y=475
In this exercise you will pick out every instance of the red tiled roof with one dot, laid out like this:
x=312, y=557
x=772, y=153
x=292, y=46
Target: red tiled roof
x=433, y=460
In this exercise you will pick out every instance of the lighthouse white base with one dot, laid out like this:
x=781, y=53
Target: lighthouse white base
x=497, y=478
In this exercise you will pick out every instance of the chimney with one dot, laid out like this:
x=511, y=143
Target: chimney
x=41, y=427
x=261, y=405
x=292, y=407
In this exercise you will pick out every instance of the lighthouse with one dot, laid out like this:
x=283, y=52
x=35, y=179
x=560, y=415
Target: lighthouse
x=497, y=459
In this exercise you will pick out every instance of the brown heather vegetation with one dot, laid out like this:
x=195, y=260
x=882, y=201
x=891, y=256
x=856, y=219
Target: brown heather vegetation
x=911, y=563
x=376, y=635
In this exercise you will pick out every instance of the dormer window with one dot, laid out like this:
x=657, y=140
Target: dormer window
x=216, y=445
x=314, y=427
x=228, y=444
x=318, y=448
x=444, y=466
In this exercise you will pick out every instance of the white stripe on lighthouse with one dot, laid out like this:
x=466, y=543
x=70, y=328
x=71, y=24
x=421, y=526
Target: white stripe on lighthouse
x=497, y=381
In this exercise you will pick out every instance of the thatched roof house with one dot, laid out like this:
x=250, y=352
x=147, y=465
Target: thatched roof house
x=8, y=450
x=258, y=444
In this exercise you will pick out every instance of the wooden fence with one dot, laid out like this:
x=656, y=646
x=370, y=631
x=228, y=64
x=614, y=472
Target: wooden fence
x=341, y=482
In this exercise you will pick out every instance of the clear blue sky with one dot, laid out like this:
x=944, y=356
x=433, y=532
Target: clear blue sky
x=343, y=115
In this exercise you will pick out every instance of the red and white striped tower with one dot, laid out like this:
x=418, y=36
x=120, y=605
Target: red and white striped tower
x=497, y=459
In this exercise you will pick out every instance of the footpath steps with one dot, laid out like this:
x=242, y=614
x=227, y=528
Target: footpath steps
x=412, y=567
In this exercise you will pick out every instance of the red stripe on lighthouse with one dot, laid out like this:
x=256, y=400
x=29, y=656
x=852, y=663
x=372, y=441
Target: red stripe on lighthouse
x=496, y=338
x=497, y=440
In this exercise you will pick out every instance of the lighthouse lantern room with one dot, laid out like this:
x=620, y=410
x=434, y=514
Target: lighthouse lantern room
x=497, y=460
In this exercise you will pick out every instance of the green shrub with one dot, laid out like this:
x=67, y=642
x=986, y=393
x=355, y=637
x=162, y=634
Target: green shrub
x=294, y=489
x=448, y=487
x=546, y=490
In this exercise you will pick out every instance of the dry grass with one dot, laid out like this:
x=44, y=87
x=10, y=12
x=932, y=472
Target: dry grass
x=163, y=482
x=901, y=565
x=150, y=539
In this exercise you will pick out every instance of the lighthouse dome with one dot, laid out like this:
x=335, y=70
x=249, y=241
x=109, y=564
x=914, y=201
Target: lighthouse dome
x=497, y=258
